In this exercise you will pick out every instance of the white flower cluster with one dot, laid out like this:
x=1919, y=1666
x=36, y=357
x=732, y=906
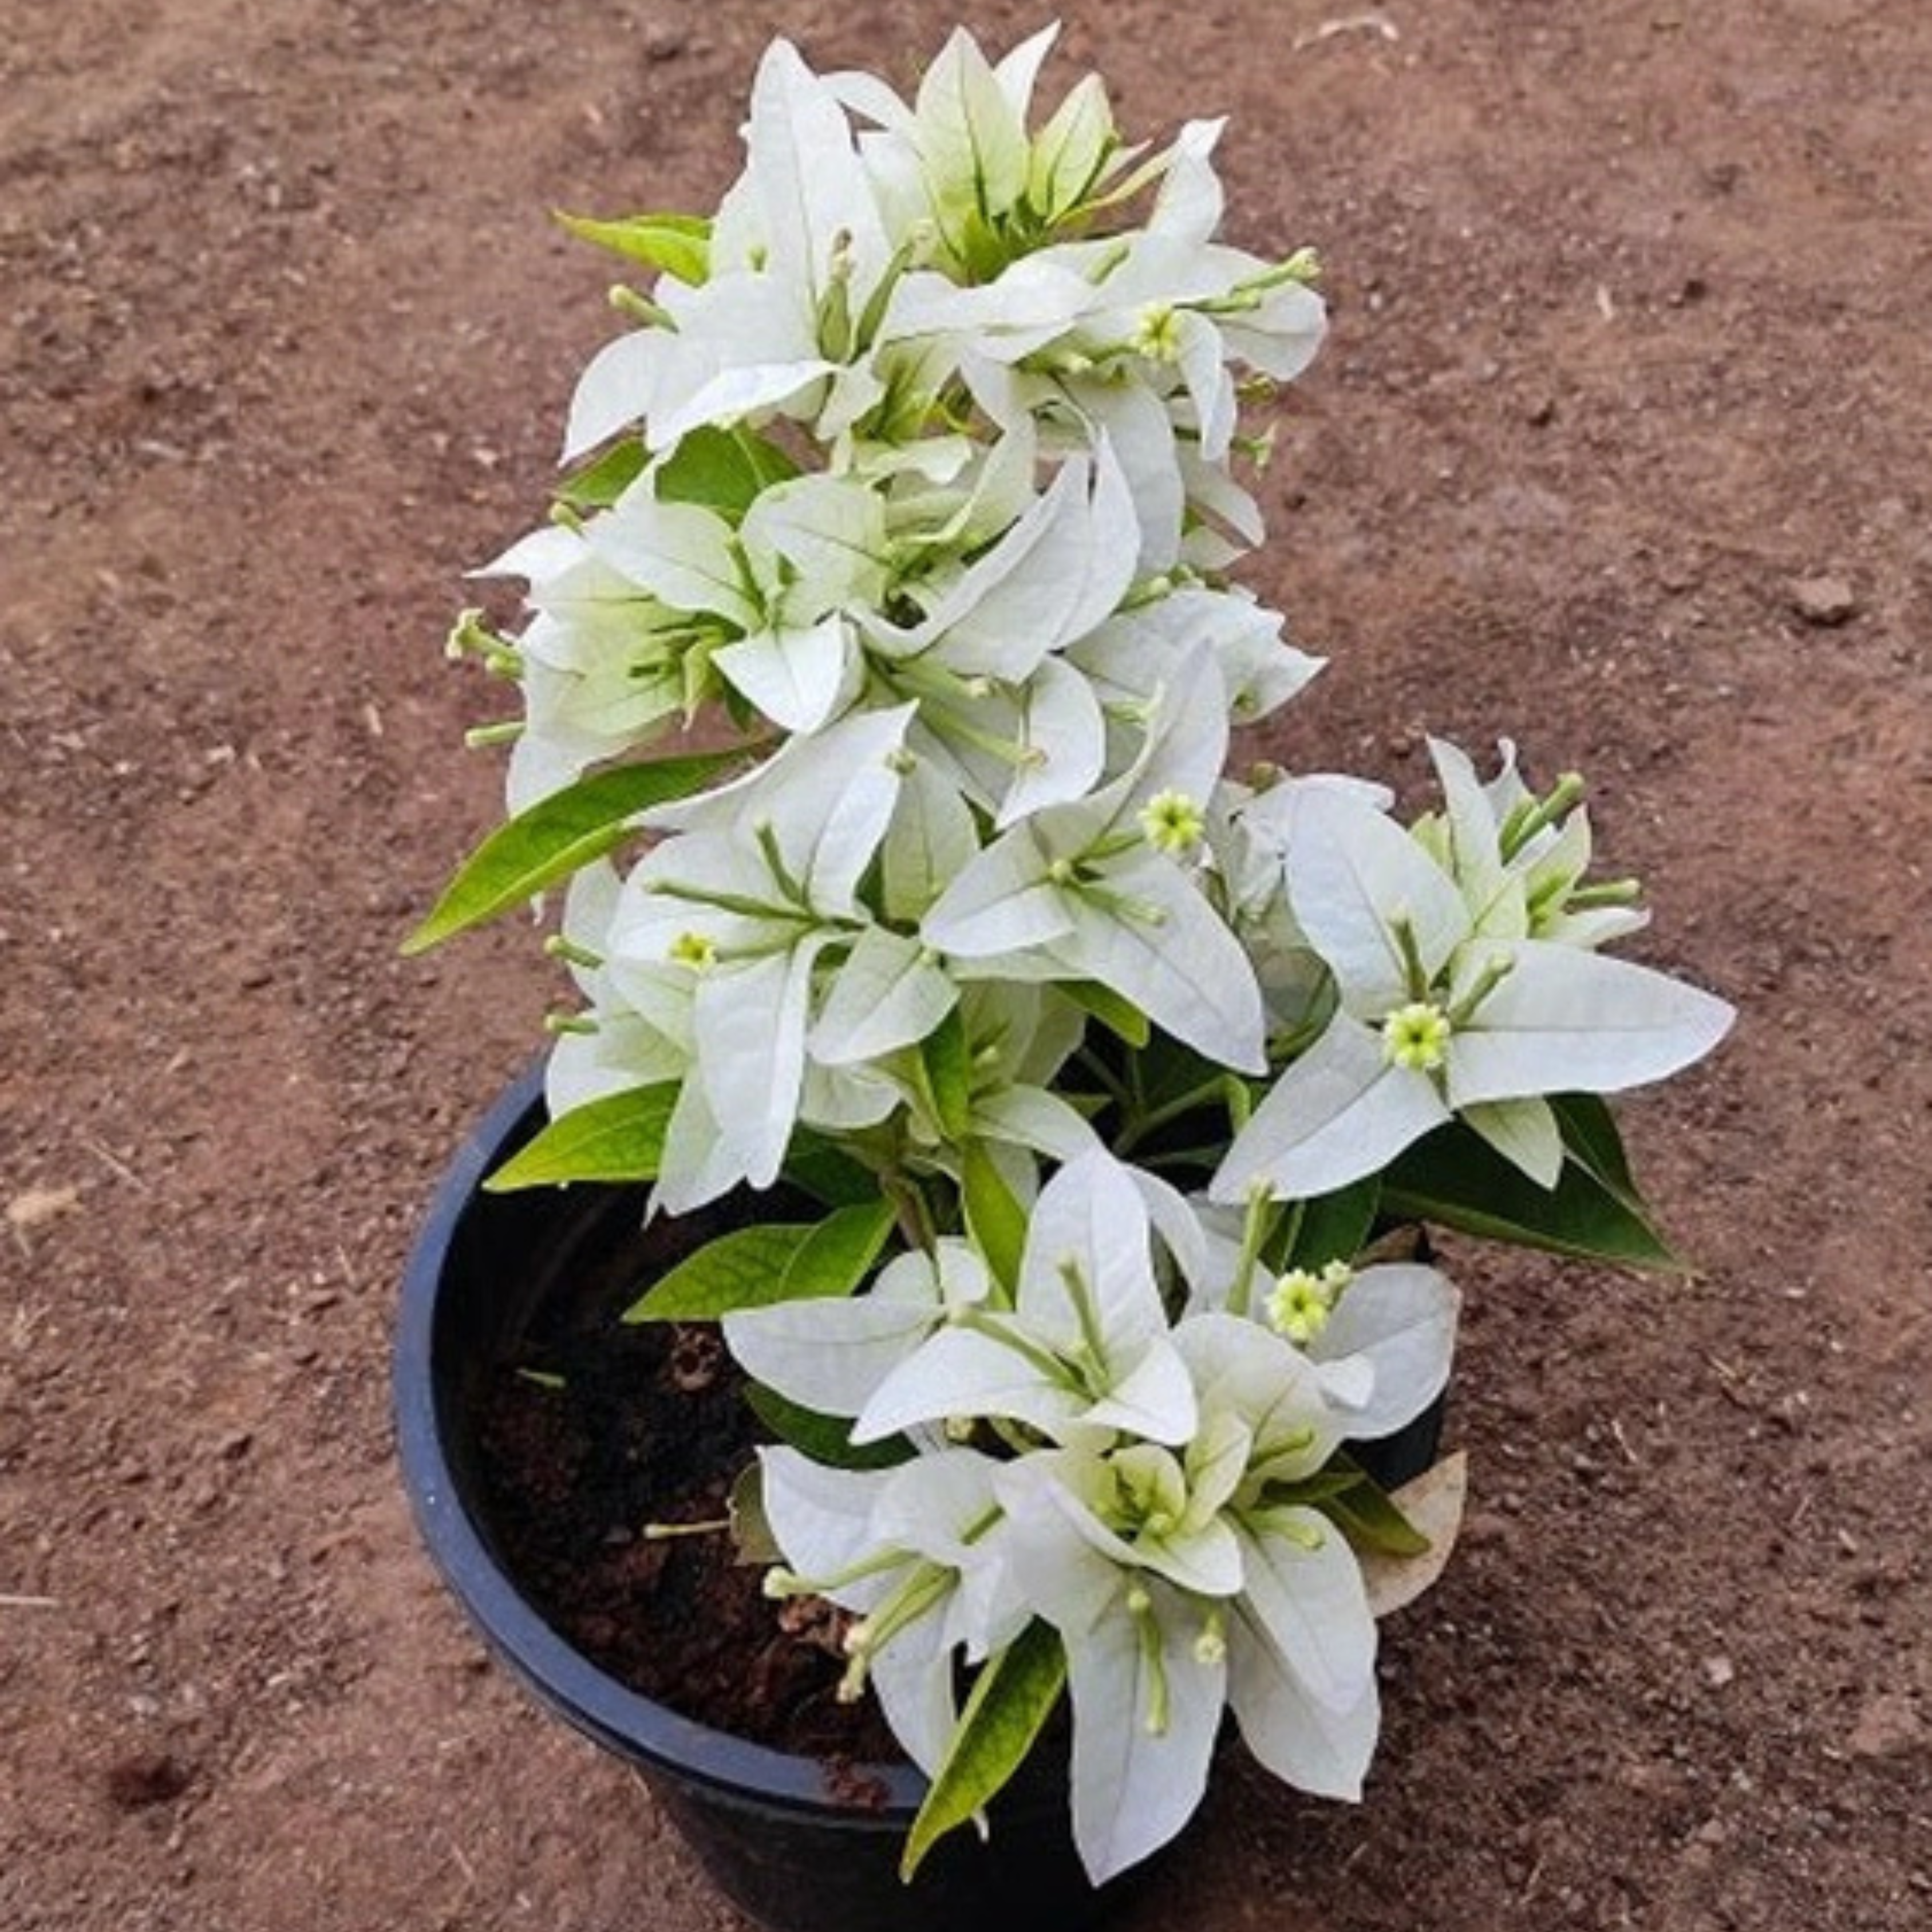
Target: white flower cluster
x=919, y=468
x=931, y=476
x=1160, y=1514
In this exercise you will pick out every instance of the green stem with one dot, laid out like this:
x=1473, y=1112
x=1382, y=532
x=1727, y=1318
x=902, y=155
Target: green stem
x=1255, y=1230
x=1139, y=1129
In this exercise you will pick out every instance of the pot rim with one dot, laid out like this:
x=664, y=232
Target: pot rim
x=586, y=1697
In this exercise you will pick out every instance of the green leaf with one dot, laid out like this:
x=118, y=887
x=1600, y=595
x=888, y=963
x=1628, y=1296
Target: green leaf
x=722, y=469
x=1453, y=1177
x=1010, y=1700
x=1114, y=1011
x=559, y=836
x=601, y=482
x=995, y=1219
x=1591, y=1138
x=680, y=244
x=825, y=1438
x=946, y=1055
x=1331, y=1481
x=1334, y=1227
x=757, y=1268
x=827, y=1172
x=1367, y=1516
x=620, y=1137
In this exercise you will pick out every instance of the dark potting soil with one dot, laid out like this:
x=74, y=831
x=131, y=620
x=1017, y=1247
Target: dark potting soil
x=596, y=1428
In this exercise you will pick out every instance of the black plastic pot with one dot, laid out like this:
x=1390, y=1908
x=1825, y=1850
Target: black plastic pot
x=799, y=1845
x=772, y=1830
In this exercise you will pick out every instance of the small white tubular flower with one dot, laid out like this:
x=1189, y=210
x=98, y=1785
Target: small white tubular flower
x=1172, y=822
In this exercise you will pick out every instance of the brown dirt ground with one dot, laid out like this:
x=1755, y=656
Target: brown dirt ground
x=1631, y=302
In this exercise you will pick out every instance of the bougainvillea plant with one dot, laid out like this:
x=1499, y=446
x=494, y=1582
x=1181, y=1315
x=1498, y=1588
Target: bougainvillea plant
x=915, y=494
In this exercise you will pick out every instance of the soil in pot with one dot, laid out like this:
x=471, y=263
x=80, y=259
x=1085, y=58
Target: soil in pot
x=591, y=1430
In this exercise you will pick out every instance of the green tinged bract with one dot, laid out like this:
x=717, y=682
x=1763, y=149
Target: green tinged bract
x=917, y=488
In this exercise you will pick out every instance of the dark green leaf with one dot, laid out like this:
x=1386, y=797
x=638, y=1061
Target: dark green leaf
x=825, y=1438
x=827, y=1173
x=1010, y=1700
x=995, y=1219
x=757, y=1268
x=1321, y=1487
x=620, y=1137
x=559, y=836
x=680, y=244
x=722, y=469
x=1334, y=1227
x=1455, y=1178
x=1591, y=1139
x=1366, y=1515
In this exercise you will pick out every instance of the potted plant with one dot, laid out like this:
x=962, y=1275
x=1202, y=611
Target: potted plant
x=882, y=657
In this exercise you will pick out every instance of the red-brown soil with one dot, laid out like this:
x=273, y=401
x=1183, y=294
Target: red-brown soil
x=1630, y=354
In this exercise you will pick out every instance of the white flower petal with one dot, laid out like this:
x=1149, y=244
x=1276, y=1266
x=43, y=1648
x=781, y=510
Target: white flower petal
x=698, y=1164
x=1305, y=1589
x=811, y=190
x=1399, y=1319
x=799, y=679
x=913, y=1678
x=1031, y=1117
x=680, y=552
x=821, y=1519
x=1525, y=1132
x=1135, y=1784
x=1000, y=903
x=931, y=841
x=1305, y=1743
x=888, y=995
x=1154, y=1400
x=750, y=1027
x=1089, y=1219
x=828, y=1355
x=1353, y=875
x=1062, y=738
x=960, y=1372
x=1563, y=1021
x=1341, y=1111
x=619, y=387
x=1188, y=974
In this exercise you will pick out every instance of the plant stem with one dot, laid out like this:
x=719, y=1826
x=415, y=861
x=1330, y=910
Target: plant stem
x=1137, y=1129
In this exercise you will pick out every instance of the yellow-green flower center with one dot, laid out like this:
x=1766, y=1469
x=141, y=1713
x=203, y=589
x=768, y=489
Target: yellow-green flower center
x=1173, y=822
x=694, y=949
x=1157, y=333
x=1417, y=1036
x=1302, y=1301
